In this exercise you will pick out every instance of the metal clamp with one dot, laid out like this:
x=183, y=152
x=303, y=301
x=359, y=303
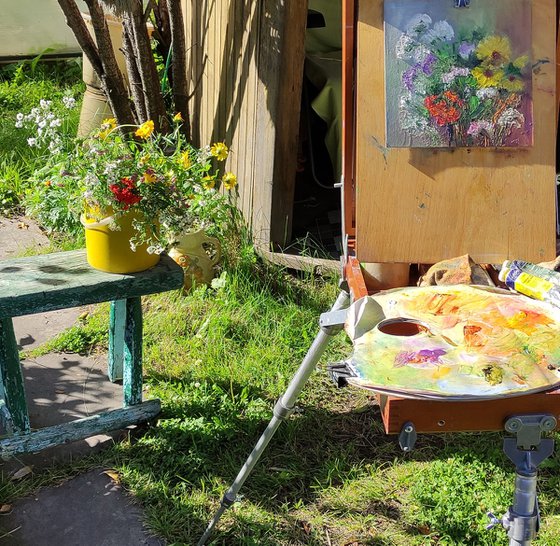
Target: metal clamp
x=332, y=322
x=529, y=428
x=408, y=436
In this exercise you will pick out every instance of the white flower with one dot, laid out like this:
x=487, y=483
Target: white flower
x=42, y=124
x=19, y=124
x=487, y=93
x=44, y=104
x=405, y=46
x=32, y=141
x=442, y=30
x=418, y=24
x=204, y=154
x=455, y=72
x=56, y=122
x=69, y=102
x=511, y=117
x=420, y=53
x=19, y=116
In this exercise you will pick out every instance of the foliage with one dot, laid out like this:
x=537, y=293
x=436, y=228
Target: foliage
x=460, y=90
x=454, y=497
x=23, y=84
x=168, y=185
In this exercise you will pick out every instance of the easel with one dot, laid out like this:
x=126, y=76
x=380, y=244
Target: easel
x=525, y=418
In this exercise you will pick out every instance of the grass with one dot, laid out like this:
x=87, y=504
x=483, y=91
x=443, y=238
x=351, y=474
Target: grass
x=218, y=358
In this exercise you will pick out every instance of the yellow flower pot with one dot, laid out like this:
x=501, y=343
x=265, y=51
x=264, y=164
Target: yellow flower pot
x=109, y=250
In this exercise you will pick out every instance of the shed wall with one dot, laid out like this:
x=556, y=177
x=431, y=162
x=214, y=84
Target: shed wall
x=244, y=88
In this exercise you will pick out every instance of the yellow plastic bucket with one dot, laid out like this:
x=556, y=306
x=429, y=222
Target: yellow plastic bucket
x=109, y=250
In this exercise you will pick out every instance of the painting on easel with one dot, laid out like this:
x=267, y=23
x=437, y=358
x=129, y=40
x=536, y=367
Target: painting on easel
x=458, y=76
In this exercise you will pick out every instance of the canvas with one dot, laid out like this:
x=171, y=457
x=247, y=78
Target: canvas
x=454, y=342
x=458, y=76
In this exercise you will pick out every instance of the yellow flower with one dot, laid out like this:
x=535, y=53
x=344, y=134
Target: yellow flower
x=219, y=151
x=144, y=159
x=494, y=50
x=145, y=130
x=512, y=83
x=487, y=76
x=110, y=123
x=229, y=180
x=184, y=160
x=208, y=182
x=178, y=117
x=520, y=62
x=149, y=176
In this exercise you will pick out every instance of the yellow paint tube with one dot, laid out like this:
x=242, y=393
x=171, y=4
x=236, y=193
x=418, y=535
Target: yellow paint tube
x=532, y=280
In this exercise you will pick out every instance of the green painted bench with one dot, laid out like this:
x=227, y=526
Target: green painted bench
x=61, y=280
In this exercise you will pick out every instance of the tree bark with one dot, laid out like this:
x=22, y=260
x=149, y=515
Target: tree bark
x=179, y=63
x=134, y=78
x=105, y=65
x=153, y=99
x=112, y=80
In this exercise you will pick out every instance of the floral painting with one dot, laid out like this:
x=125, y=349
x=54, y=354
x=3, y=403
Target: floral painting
x=458, y=76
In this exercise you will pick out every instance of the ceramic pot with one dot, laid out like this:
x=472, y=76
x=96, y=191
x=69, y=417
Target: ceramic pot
x=109, y=250
x=190, y=253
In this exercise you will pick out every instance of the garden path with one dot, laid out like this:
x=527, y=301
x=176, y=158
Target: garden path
x=90, y=509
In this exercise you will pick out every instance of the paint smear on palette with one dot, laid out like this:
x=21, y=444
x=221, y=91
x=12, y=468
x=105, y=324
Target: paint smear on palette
x=458, y=77
x=454, y=342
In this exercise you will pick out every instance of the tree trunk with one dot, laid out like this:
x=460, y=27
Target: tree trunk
x=179, y=63
x=153, y=99
x=105, y=65
x=134, y=78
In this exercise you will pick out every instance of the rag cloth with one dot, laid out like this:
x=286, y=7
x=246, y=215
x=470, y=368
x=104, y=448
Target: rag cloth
x=460, y=270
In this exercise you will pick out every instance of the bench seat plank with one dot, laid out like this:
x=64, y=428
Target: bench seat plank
x=56, y=281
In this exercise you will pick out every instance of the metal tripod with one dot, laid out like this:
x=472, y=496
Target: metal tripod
x=526, y=451
x=330, y=325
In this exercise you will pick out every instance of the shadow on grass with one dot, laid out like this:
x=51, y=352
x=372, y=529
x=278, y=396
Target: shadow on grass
x=206, y=431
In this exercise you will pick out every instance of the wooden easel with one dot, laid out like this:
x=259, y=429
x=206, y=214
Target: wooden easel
x=398, y=175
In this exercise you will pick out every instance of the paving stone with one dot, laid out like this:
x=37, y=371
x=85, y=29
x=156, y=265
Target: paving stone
x=90, y=510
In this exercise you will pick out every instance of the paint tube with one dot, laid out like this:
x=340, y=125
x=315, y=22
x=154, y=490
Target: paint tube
x=532, y=280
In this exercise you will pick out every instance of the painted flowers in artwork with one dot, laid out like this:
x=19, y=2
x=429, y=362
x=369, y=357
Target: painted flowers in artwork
x=462, y=88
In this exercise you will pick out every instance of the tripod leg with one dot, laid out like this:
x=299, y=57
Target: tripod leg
x=282, y=410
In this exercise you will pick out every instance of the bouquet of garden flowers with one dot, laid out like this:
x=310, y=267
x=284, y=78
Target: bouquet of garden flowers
x=462, y=88
x=170, y=186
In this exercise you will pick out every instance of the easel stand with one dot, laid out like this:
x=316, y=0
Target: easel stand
x=330, y=326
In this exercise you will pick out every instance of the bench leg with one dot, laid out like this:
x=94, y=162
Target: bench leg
x=12, y=377
x=132, y=372
x=117, y=320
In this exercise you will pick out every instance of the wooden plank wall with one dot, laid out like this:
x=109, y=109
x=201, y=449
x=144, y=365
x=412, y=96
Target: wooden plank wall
x=246, y=92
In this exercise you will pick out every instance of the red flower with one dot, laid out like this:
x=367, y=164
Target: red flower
x=126, y=192
x=445, y=108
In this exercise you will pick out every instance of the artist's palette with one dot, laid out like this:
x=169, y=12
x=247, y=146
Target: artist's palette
x=454, y=342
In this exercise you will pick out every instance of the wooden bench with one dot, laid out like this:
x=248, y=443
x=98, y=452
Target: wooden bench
x=56, y=281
